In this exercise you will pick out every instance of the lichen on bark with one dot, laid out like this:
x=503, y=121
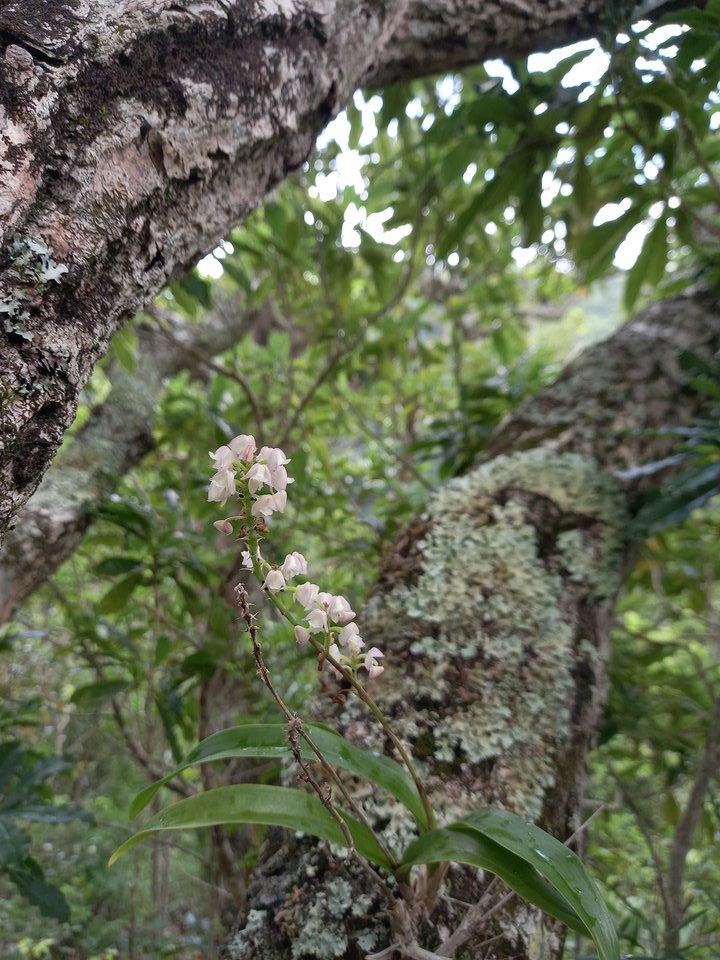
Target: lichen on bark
x=484, y=644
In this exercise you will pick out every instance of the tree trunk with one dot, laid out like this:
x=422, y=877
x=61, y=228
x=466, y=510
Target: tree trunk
x=134, y=133
x=495, y=608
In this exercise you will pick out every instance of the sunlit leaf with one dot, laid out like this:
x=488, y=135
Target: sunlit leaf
x=650, y=263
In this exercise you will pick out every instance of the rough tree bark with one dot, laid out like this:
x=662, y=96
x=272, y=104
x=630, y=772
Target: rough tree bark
x=115, y=439
x=134, y=133
x=494, y=609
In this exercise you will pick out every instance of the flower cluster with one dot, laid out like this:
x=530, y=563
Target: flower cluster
x=328, y=618
x=332, y=616
x=266, y=468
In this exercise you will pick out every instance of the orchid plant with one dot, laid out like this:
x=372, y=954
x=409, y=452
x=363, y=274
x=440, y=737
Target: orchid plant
x=327, y=617
x=535, y=865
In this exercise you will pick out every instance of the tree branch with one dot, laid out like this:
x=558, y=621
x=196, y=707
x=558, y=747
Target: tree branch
x=135, y=135
x=706, y=769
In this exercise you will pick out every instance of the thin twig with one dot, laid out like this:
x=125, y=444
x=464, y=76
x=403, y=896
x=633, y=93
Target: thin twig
x=471, y=921
x=697, y=153
x=705, y=770
x=165, y=328
x=646, y=832
x=345, y=349
x=338, y=354
x=238, y=378
x=585, y=824
x=137, y=751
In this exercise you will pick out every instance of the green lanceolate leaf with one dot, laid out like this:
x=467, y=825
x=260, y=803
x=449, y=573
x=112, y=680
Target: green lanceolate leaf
x=563, y=870
x=465, y=845
x=262, y=804
x=25, y=872
x=31, y=883
x=650, y=264
x=268, y=740
x=118, y=596
x=595, y=251
x=94, y=693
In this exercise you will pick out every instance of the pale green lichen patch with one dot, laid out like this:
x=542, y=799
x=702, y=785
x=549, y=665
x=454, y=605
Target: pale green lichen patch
x=536, y=940
x=586, y=565
x=250, y=941
x=323, y=932
x=308, y=906
x=32, y=268
x=488, y=629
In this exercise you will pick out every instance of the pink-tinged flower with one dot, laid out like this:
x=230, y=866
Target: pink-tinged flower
x=294, y=564
x=247, y=560
x=224, y=526
x=279, y=478
x=273, y=457
x=243, y=447
x=223, y=458
x=350, y=637
x=302, y=635
x=269, y=503
x=335, y=654
x=339, y=610
x=306, y=593
x=371, y=662
x=323, y=599
x=257, y=476
x=222, y=486
x=274, y=582
x=317, y=621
